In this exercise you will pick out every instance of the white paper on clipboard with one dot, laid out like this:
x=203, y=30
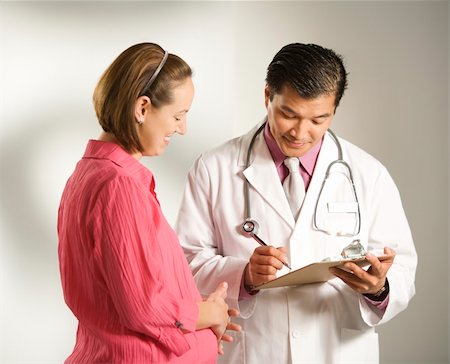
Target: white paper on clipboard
x=313, y=273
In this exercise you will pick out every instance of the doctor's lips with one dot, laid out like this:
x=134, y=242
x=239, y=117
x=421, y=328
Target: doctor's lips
x=296, y=143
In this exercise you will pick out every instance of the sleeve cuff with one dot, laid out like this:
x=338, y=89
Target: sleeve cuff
x=381, y=295
x=187, y=315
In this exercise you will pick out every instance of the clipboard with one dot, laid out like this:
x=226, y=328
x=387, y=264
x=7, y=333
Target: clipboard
x=313, y=273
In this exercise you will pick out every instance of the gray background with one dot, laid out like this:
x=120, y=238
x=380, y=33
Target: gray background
x=52, y=55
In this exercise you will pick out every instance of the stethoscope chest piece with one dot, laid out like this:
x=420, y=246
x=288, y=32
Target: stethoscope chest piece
x=249, y=227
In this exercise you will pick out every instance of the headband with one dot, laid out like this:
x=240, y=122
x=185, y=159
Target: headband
x=155, y=74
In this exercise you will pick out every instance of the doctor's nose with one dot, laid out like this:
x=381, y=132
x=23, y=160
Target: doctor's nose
x=300, y=130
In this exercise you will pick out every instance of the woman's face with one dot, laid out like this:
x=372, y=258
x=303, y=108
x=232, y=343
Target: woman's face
x=163, y=122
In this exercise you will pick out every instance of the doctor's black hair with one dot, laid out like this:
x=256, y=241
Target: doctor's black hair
x=309, y=69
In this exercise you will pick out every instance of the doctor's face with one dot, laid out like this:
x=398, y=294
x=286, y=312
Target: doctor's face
x=297, y=124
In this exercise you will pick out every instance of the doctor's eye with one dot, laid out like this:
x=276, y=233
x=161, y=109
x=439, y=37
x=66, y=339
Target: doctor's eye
x=287, y=116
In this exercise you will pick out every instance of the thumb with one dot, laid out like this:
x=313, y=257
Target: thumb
x=221, y=290
x=282, y=249
x=389, y=251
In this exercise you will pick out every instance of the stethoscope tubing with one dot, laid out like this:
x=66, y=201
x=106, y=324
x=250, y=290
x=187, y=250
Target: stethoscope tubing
x=250, y=227
x=247, y=163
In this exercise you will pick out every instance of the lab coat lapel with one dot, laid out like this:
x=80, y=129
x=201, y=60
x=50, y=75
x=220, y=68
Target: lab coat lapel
x=263, y=177
x=328, y=153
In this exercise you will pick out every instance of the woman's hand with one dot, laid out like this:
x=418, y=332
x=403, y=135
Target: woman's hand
x=214, y=313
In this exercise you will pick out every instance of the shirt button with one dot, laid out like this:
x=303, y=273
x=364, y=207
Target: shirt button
x=295, y=334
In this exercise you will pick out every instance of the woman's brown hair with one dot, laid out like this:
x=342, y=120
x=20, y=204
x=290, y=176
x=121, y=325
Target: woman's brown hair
x=125, y=80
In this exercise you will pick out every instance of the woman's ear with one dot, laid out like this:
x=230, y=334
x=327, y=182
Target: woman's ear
x=141, y=108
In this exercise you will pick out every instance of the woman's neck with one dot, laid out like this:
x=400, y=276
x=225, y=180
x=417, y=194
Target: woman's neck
x=108, y=137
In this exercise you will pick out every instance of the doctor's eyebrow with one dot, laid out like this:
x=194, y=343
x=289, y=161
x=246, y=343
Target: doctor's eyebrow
x=326, y=115
x=290, y=111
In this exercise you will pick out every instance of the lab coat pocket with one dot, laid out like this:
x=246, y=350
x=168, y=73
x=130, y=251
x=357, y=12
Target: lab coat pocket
x=358, y=346
x=337, y=210
x=234, y=352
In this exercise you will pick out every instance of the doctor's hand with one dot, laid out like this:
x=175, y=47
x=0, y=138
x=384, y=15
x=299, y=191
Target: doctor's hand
x=370, y=281
x=263, y=265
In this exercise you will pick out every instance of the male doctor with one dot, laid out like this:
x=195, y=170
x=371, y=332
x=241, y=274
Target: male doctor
x=331, y=322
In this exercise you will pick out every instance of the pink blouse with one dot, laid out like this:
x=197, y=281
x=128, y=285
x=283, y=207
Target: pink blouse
x=123, y=272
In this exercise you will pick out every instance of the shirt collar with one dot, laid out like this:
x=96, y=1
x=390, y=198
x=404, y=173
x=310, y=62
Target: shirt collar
x=308, y=161
x=97, y=149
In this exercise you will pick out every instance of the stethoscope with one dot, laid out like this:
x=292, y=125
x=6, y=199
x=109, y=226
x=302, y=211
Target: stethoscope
x=250, y=227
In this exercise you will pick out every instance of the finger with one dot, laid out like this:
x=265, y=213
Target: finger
x=221, y=291
x=373, y=260
x=369, y=278
x=367, y=284
x=378, y=265
x=350, y=279
x=271, y=251
x=220, y=349
x=254, y=279
x=282, y=249
x=264, y=269
x=266, y=260
x=348, y=270
x=379, y=268
x=363, y=287
x=340, y=273
x=232, y=326
x=390, y=252
x=262, y=278
x=356, y=286
x=227, y=338
x=233, y=312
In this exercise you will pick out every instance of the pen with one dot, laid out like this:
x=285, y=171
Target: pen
x=261, y=242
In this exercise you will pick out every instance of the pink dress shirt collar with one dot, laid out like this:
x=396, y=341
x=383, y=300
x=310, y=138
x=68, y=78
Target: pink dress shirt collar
x=308, y=161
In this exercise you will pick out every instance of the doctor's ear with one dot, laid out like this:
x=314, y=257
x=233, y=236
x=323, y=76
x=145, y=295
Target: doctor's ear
x=141, y=108
x=266, y=95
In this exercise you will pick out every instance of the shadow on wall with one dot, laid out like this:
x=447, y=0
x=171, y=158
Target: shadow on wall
x=36, y=162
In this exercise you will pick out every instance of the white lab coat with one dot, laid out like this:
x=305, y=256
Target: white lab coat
x=316, y=323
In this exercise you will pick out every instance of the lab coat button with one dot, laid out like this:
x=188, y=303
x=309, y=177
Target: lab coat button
x=295, y=334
